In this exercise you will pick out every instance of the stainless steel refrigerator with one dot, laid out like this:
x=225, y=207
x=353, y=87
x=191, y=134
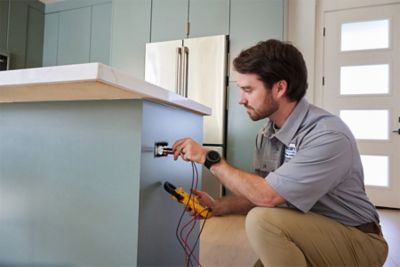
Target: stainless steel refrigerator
x=195, y=68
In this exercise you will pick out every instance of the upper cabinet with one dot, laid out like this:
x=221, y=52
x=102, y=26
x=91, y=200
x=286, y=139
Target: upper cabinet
x=115, y=32
x=100, y=33
x=74, y=36
x=169, y=20
x=21, y=32
x=208, y=17
x=77, y=32
x=3, y=24
x=179, y=19
x=130, y=33
x=34, y=37
x=253, y=21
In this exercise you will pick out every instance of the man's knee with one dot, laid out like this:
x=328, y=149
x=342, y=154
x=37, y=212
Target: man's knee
x=253, y=219
x=259, y=220
x=270, y=240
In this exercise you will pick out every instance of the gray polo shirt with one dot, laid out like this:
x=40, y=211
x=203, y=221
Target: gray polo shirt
x=313, y=162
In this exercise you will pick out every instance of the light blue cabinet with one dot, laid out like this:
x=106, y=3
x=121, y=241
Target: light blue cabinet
x=130, y=33
x=100, y=33
x=253, y=21
x=205, y=17
x=74, y=36
x=77, y=32
x=80, y=185
x=169, y=20
x=208, y=17
x=50, y=44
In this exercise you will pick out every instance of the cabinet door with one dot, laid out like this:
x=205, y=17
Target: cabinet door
x=74, y=36
x=3, y=24
x=253, y=21
x=50, y=41
x=101, y=33
x=130, y=33
x=17, y=33
x=168, y=20
x=34, y=43
x=208, y=17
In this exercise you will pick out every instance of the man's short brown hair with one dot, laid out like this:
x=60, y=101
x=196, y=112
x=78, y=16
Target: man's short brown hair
x=273, y=61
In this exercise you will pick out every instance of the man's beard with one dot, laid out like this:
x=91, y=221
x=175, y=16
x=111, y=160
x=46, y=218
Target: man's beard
x=256, y=115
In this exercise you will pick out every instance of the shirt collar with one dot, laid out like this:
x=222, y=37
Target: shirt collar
x=291, y=125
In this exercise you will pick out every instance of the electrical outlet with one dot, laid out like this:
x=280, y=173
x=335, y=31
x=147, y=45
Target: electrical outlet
x=159, y=149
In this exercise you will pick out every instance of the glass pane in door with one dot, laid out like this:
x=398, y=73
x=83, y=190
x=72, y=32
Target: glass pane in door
x=367, y=124
x=376, y=170
x=364, y=35
x=364, y=79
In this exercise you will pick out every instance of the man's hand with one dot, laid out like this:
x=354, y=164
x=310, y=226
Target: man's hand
x=204, y=198
x=189, y=150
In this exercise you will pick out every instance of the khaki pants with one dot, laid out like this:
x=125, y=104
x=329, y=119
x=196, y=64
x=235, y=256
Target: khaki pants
x=286, y=237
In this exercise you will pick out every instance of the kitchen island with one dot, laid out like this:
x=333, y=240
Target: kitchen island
x=79, y=183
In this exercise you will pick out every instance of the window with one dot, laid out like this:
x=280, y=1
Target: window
x=375, y=170
x=367, y=124
x=364, y=35
x=364, y=79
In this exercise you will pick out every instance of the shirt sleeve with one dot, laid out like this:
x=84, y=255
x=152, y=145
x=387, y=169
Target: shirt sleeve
x=320, y=164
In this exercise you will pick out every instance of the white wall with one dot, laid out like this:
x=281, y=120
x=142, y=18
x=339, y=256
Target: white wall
x=301, y=33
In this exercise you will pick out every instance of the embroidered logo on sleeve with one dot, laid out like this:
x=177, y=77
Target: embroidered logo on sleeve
x=290, y=152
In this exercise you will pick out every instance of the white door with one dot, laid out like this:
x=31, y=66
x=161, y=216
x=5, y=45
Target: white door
x=362, y=86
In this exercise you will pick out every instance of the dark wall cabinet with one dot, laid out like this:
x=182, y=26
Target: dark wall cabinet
x=21, y=32
x=3, y=24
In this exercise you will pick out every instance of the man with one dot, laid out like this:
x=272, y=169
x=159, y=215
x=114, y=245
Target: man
x=306, y=203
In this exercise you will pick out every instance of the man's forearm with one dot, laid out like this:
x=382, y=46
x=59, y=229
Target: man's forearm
x=252, y=187
x=232, y=205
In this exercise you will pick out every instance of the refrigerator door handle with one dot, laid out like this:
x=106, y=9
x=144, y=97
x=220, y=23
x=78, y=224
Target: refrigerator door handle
x=178, y=80
x=185, y=66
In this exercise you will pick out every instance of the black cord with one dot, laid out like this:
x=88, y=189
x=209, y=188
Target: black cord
x=195, y=177
x=198, y=236
x=204, y=222
x=189, y=254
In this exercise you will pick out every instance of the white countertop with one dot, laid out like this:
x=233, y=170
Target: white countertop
x=91, y=81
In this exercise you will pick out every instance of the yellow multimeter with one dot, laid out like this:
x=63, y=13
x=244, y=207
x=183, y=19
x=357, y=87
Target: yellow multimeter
x=190, y=201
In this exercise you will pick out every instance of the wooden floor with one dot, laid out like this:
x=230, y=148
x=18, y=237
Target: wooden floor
x=224, y=242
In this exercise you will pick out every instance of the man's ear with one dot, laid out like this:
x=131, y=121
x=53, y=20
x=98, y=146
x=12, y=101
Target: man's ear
x=279, y=88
